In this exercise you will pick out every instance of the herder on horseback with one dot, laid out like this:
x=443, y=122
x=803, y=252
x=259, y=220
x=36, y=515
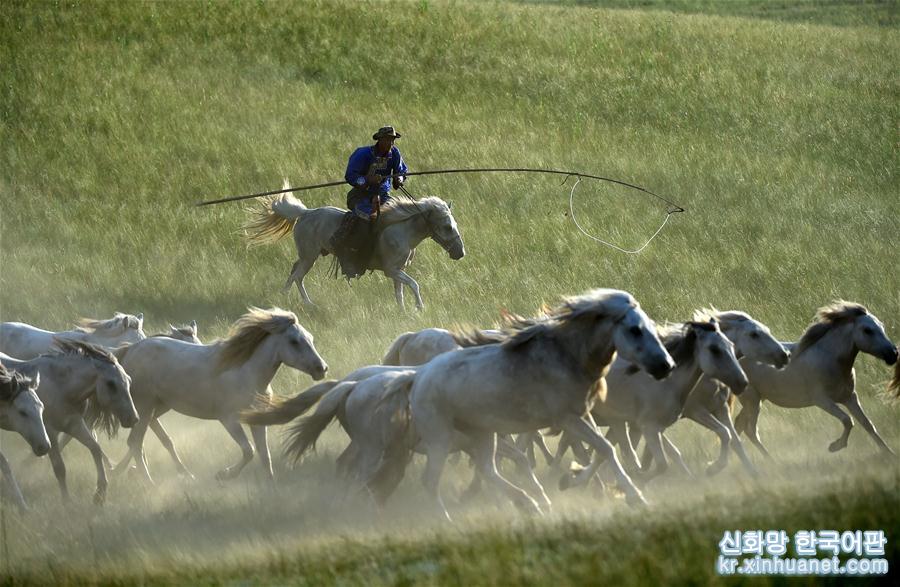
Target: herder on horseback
x=369, y=171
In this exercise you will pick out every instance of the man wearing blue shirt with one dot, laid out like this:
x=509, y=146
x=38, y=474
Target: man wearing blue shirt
x=369, y=171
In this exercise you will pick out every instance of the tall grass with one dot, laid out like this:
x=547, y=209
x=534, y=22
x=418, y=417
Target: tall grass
x=777, y=135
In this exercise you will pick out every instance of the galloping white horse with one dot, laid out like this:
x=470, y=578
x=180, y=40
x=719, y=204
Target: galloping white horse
x=402, y=225
x=79, y=372
x=24, y=341
x=21, y=411
x=820, y=372
x=708, y=403
x=633, y=397
x=544, y=375
x=216, y=381
x=416, y=348
x=186, y=333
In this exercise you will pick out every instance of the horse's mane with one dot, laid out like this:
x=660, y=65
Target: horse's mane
x=827, y=317
x=96, y=416
x=400, y=208
x=894, y=385
x=187, y=331
x=595, y=304
x=12, y=383
x=125, y=321
x=67, y=346
x=249, y=331
x=469, y=337
x=727, y=318
x=680, y=340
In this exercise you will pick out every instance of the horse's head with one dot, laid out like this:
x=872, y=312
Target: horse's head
x=869, y=337
x=113, y=389
x=185, y=333
x=444, y=230
x=21, y=410
x=751, y=339
x=296, y=349
x=715, y=355
x=636, y=341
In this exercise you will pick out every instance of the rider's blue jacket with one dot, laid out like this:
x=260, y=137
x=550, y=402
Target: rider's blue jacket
x=365, y=161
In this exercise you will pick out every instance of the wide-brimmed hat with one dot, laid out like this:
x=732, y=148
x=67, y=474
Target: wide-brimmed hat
x=386, y=131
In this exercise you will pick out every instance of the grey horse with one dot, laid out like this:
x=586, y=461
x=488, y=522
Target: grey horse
x=820, y=372
x=402, y=225
x=544, y=375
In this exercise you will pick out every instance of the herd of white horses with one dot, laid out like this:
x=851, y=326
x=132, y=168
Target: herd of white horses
x=593, y=370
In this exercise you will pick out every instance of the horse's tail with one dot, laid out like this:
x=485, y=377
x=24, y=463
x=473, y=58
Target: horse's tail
x=303, y=434
x=392, y=357
x=400, y=439
x=273, y=218
x=282, y=411
x=894, y=385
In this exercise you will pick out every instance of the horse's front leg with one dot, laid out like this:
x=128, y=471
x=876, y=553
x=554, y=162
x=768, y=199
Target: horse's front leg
x=857, y=412
x=581, y=430
x=80, y=432
x=166, y=441
x=261, y=440
x=9, y=481
x=402, y=276
x=835, y=410
x=233, y=426
x=59, y=467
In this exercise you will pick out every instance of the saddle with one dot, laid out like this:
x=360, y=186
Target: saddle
x=353, y=243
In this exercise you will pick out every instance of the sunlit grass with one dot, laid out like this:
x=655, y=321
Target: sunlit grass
x=778, y=135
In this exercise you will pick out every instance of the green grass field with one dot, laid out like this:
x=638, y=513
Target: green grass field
x=773, y=123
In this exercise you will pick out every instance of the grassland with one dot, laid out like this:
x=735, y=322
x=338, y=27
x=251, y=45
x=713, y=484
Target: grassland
x=777, y=134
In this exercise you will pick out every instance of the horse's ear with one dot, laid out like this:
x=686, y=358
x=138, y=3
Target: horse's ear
x=194, y=325
x=140, y=318
x=450, y=204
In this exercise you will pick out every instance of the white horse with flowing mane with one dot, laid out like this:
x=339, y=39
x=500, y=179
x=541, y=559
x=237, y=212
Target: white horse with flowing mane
x=21, y=411
x=24, y=341
x=417, y=348
x=401, y=226
x=187, y=333
x=544, y=375
x=708, y=403
x=634, y=398
x=71, y=376
x=820, y=372
x=216, y=381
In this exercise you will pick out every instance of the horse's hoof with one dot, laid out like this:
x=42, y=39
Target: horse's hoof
x=100, y=498
x=225, y=475
x=836, y=446
x=714, y=469
x=565, y=482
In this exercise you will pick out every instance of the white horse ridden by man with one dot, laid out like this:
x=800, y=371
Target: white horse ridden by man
x=216, y=381
x=21, y=411
x=71, y=376
x=820, y=372
x=402, y=224
x=634, y=398
x=25, y=342
x=545, y=375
